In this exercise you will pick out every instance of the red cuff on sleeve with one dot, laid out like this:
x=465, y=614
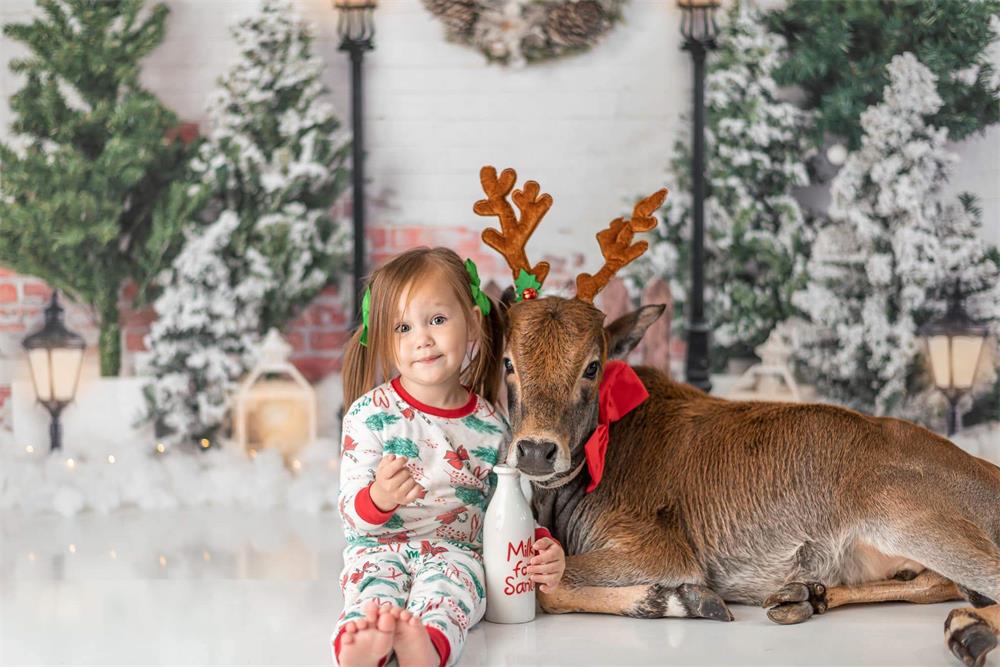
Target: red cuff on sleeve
x=441, y=644
x=542, y=531
x=366, y=509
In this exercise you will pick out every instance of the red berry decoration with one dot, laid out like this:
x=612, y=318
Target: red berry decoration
x=529, y=293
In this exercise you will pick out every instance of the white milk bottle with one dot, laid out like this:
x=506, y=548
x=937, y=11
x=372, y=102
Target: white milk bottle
x=508, y=535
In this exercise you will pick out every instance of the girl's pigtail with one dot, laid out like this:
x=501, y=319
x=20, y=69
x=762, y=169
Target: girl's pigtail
x=359, y=369
x=484, y=368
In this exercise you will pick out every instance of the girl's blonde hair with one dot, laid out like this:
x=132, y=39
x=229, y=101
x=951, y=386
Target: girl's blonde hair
x=366, y=366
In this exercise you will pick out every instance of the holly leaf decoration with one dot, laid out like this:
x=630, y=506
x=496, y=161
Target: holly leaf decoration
x=525, y=281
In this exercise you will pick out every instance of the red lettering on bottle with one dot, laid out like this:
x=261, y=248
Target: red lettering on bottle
x=523, y=549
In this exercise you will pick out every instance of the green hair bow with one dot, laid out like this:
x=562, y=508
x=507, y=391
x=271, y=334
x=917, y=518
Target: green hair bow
x=478, y=295
x=366, y=306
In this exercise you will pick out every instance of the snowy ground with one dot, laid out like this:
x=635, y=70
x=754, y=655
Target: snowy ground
x=236, y=587
x=204, y=585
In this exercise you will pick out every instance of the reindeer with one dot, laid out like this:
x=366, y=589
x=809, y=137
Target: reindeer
x=799, y=508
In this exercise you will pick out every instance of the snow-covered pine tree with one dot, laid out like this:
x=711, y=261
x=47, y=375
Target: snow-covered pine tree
x=756, y=233
x=273, y=164
x=890, y=252
x=838, y=52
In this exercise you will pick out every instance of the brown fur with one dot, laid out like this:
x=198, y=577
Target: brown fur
x=739, y=498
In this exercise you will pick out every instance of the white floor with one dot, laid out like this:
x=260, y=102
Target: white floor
x=221, y=587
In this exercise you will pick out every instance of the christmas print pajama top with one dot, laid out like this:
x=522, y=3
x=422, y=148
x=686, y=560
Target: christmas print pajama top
x=425, y=557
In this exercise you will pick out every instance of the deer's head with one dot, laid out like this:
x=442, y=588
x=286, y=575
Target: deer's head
x=557, y=348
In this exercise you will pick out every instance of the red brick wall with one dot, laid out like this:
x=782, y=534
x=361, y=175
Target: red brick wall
x=317, y=335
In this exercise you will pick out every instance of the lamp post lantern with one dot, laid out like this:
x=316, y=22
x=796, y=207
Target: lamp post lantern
x=356, y=28
x=699, y=31
x=55, y=355
x=954, y=343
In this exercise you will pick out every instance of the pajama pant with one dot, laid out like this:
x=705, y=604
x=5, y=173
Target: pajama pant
x=438, y=582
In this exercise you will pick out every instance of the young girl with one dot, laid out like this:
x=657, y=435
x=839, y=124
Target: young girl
x=418, y=452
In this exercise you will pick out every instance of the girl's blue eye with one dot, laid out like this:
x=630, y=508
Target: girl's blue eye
x=439, y=320
x=402, y=328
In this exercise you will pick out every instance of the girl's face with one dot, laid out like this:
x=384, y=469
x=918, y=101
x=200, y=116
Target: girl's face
x=432, y=334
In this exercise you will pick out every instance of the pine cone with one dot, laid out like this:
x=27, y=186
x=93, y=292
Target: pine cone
x=576, y=24
x=458, y=16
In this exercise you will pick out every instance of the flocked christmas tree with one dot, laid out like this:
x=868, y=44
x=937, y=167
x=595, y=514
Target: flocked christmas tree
x=838, y=52
x=88, y=198
x=756, y=233
x=891, y=251
x=273, y=164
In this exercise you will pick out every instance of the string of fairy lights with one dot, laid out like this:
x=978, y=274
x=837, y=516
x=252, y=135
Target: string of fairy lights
x=295, y=465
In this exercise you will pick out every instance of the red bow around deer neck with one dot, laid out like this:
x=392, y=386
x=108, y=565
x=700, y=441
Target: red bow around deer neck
x=621, y=392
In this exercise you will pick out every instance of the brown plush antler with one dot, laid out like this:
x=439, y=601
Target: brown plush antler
x=515, y=232
x=617, y=247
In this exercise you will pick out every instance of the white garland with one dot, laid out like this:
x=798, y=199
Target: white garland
x=890, y=252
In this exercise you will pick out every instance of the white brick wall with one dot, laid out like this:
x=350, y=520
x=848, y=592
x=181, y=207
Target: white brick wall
x=593, y=129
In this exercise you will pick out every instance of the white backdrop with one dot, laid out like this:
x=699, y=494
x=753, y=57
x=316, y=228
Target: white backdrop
x=593, y=129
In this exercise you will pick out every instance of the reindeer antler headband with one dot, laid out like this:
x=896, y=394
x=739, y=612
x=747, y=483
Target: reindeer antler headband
x=616, y=240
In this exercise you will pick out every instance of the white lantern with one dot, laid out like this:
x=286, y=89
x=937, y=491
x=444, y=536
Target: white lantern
x=771, y=379
x=275, y=405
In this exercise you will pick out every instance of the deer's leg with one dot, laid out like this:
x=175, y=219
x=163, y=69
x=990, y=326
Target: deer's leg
x=796, y=602
x=963, y=552
x=598, y=582
x=972, y=633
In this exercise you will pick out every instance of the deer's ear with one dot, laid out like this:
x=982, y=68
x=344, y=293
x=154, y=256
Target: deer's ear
x=507, y=298
x=625, y=333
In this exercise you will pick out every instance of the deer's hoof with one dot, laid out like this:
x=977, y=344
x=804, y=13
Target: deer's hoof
x=685, y=601
x=703, y=602
x=796, y=602
x=969, y=637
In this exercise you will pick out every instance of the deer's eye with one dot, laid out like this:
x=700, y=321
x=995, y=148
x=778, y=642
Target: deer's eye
x=508, y=365
x=591, y=371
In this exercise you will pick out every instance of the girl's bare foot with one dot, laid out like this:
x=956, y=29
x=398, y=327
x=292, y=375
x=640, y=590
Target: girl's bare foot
x=412, y=643
x=367, y=640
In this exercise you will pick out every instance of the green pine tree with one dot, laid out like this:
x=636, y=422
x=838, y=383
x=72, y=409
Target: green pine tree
x=487, y=454
x=839, y=52
x=380, y=420
x=480, y=426
x=401, y=447
x=92, y=194
x=470, y=496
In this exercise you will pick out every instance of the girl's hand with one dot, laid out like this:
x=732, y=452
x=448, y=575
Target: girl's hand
x=393, y=484
x=546, y=568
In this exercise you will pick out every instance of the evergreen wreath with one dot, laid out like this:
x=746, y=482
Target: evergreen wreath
x=523, y=31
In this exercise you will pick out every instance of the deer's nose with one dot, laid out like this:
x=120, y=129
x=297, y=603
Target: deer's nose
x=536, y=457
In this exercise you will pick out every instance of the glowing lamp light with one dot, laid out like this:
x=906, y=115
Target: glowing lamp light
x=954, y=344
x=275, y=405
x=55, y=355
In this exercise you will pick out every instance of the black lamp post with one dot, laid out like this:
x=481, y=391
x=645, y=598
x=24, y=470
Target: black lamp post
x=356, y=27
x=955, y=343
x=699, y=31
x=55, y=354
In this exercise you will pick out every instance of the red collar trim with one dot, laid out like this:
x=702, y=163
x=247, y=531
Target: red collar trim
x=454, y=413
